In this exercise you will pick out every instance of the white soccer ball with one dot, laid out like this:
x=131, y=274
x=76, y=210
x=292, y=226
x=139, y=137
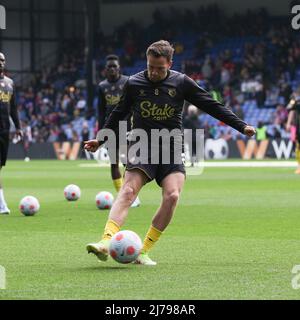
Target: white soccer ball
x=216, y=149
x=125, y=246
x=101, y=155
x=72, y=192
x=29, y=206
x=104, y=200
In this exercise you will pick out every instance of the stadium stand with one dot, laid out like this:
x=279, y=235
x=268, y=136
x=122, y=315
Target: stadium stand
x=249, y=61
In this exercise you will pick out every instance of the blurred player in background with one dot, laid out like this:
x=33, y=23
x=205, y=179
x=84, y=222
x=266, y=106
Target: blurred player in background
x=294, y=118
x=110, y=92
x=157, y=90
x=191, y=122
x=27, y=139
x=8, y=108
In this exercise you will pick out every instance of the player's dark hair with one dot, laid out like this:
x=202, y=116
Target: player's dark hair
x=161, y=48
x=112, y=57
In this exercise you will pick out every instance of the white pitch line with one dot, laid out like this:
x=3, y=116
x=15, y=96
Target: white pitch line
x=220, y=164
x=93, y=165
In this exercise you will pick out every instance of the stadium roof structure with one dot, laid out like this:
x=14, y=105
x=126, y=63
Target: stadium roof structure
x=137, y=1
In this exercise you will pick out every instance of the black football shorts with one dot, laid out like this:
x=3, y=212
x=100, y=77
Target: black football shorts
x=157, y=171
x=160, y=169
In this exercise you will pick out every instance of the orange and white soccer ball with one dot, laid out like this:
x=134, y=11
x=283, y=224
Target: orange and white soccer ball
x=125, y=246
x=104, y=200
x=29, y=206
x=72, y=192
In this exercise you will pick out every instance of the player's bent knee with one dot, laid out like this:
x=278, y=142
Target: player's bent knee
x=128, y=194
x=172, y=197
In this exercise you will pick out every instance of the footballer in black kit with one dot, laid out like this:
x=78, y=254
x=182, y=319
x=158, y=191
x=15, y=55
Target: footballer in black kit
x=294, y=117
x=156, y=97
x=109, y=94
x=158, y=105
x=8, y=108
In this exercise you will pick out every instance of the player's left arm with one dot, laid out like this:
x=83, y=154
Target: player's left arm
x=203, y=100
x=14, y=114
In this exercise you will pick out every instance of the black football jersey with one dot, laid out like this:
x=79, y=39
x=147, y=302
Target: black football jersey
x=8, y=105
x=159, y=105
x=109, y=96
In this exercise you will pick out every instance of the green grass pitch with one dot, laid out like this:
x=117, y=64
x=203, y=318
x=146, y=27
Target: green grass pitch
x=235, y=235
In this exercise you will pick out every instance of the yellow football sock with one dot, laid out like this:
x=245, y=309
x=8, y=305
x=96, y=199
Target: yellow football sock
x=118, y=184
x=151, y=238
x=298, y=152
x=110, y=230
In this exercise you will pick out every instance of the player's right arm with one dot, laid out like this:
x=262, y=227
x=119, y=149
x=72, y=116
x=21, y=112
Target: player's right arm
x=292, y=113
x=119, y=113
x=291, y=116
x=101, y=108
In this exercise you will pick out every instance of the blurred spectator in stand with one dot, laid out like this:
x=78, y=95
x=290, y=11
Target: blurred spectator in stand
x=191, y=122
x=261, y=132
